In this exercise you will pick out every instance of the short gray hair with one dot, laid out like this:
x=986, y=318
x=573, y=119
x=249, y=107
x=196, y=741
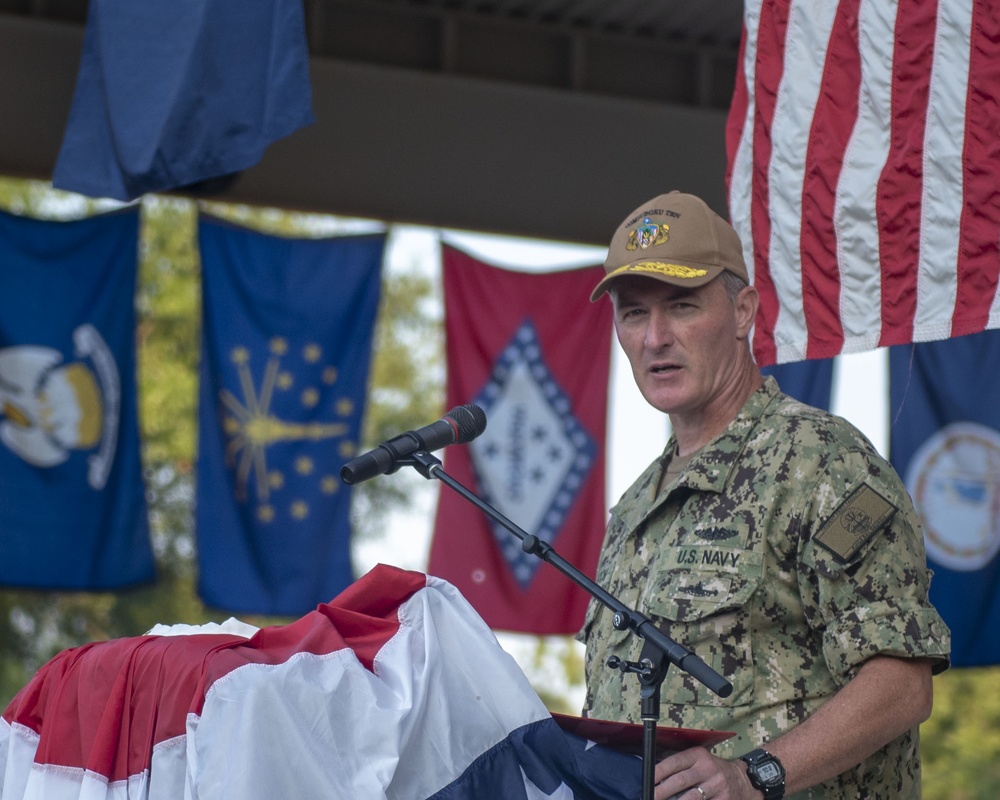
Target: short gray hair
x=734, y=284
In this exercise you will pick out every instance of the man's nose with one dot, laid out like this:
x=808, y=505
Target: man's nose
x=659, y=331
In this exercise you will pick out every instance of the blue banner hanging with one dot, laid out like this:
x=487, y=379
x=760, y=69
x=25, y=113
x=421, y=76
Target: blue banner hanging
x=72, y=501
x=287, y=340
x=179, y=93
x=945, y=442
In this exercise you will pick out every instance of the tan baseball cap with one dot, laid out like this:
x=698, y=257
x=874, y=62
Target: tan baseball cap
x=675, y=238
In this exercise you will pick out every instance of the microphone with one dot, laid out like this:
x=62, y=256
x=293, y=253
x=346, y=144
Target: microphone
x=460, y=425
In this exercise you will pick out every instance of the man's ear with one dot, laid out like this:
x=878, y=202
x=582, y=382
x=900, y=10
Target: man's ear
x=746, y=304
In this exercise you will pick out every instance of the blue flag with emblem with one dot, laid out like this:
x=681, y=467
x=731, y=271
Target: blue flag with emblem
x=173, y=94
x=288, y=326
x=72, y=498
x=945, y=442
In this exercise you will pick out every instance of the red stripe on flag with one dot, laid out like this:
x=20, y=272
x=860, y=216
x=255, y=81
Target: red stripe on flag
x=979, y=251
x=901, y=183
x=363, y=618
x=737, y=109
x=768, y=69
x=103, y=707
x=833, y=121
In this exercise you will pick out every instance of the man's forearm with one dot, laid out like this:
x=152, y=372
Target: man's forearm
x=885, y=699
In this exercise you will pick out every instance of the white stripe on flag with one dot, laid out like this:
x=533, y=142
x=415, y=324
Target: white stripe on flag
x=441, y=694
x=809, y=29
x=854, y=218
x=941, y=203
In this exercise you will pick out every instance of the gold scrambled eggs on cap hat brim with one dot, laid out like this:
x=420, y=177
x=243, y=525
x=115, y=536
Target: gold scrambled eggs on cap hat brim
x=675, y=238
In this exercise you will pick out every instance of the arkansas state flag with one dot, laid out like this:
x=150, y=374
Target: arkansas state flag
x=286, y=349
x=72, y=497
x=535, y=354
x=945, y=442
x=395, y=689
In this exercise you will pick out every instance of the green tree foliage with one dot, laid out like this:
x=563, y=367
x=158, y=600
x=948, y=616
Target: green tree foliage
x=960, y=744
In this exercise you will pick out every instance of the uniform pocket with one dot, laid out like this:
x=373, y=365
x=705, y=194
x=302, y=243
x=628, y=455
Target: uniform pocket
x=700, y=598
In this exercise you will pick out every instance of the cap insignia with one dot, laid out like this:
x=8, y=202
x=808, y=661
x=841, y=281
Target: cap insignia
x=647, y=234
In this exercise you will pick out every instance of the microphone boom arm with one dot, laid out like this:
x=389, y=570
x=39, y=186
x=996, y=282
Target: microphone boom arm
x=624, y=618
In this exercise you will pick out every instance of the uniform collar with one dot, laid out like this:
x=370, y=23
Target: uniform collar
x=709, y=470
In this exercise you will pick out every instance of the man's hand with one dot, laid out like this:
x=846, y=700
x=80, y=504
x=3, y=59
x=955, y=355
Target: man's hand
x=887, y=697
x=695, y=774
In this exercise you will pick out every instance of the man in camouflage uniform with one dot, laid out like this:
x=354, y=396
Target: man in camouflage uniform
x=770, y=538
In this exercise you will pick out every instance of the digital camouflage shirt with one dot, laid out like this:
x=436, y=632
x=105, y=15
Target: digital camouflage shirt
x=784, y=555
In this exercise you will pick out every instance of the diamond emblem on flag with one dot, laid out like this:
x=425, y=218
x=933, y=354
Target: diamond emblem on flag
x=533, y=459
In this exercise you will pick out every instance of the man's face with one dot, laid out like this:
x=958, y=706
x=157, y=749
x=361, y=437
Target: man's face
x=684, y=345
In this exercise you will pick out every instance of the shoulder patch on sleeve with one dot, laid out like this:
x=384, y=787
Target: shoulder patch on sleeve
x=862, y=514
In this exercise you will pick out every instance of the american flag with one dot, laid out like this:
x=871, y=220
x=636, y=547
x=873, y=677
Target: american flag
x=864, y=171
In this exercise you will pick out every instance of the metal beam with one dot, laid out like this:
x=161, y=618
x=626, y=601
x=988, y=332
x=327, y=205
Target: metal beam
x=409, y=146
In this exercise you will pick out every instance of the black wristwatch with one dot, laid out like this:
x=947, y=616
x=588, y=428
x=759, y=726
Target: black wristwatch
x=765, y=773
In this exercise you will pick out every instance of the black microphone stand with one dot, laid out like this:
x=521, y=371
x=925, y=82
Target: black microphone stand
x=659, y=651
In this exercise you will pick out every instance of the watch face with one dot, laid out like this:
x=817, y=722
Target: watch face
x=768, y=772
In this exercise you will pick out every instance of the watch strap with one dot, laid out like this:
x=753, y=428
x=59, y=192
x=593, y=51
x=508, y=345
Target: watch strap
x=766, y=773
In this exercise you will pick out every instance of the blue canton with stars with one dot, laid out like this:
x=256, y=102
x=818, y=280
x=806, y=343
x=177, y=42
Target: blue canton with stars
x=533, y=459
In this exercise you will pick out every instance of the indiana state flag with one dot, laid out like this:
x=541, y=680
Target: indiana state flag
x=287, y=339
x=945, y=442
x=72, y=503
x=535, y=355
